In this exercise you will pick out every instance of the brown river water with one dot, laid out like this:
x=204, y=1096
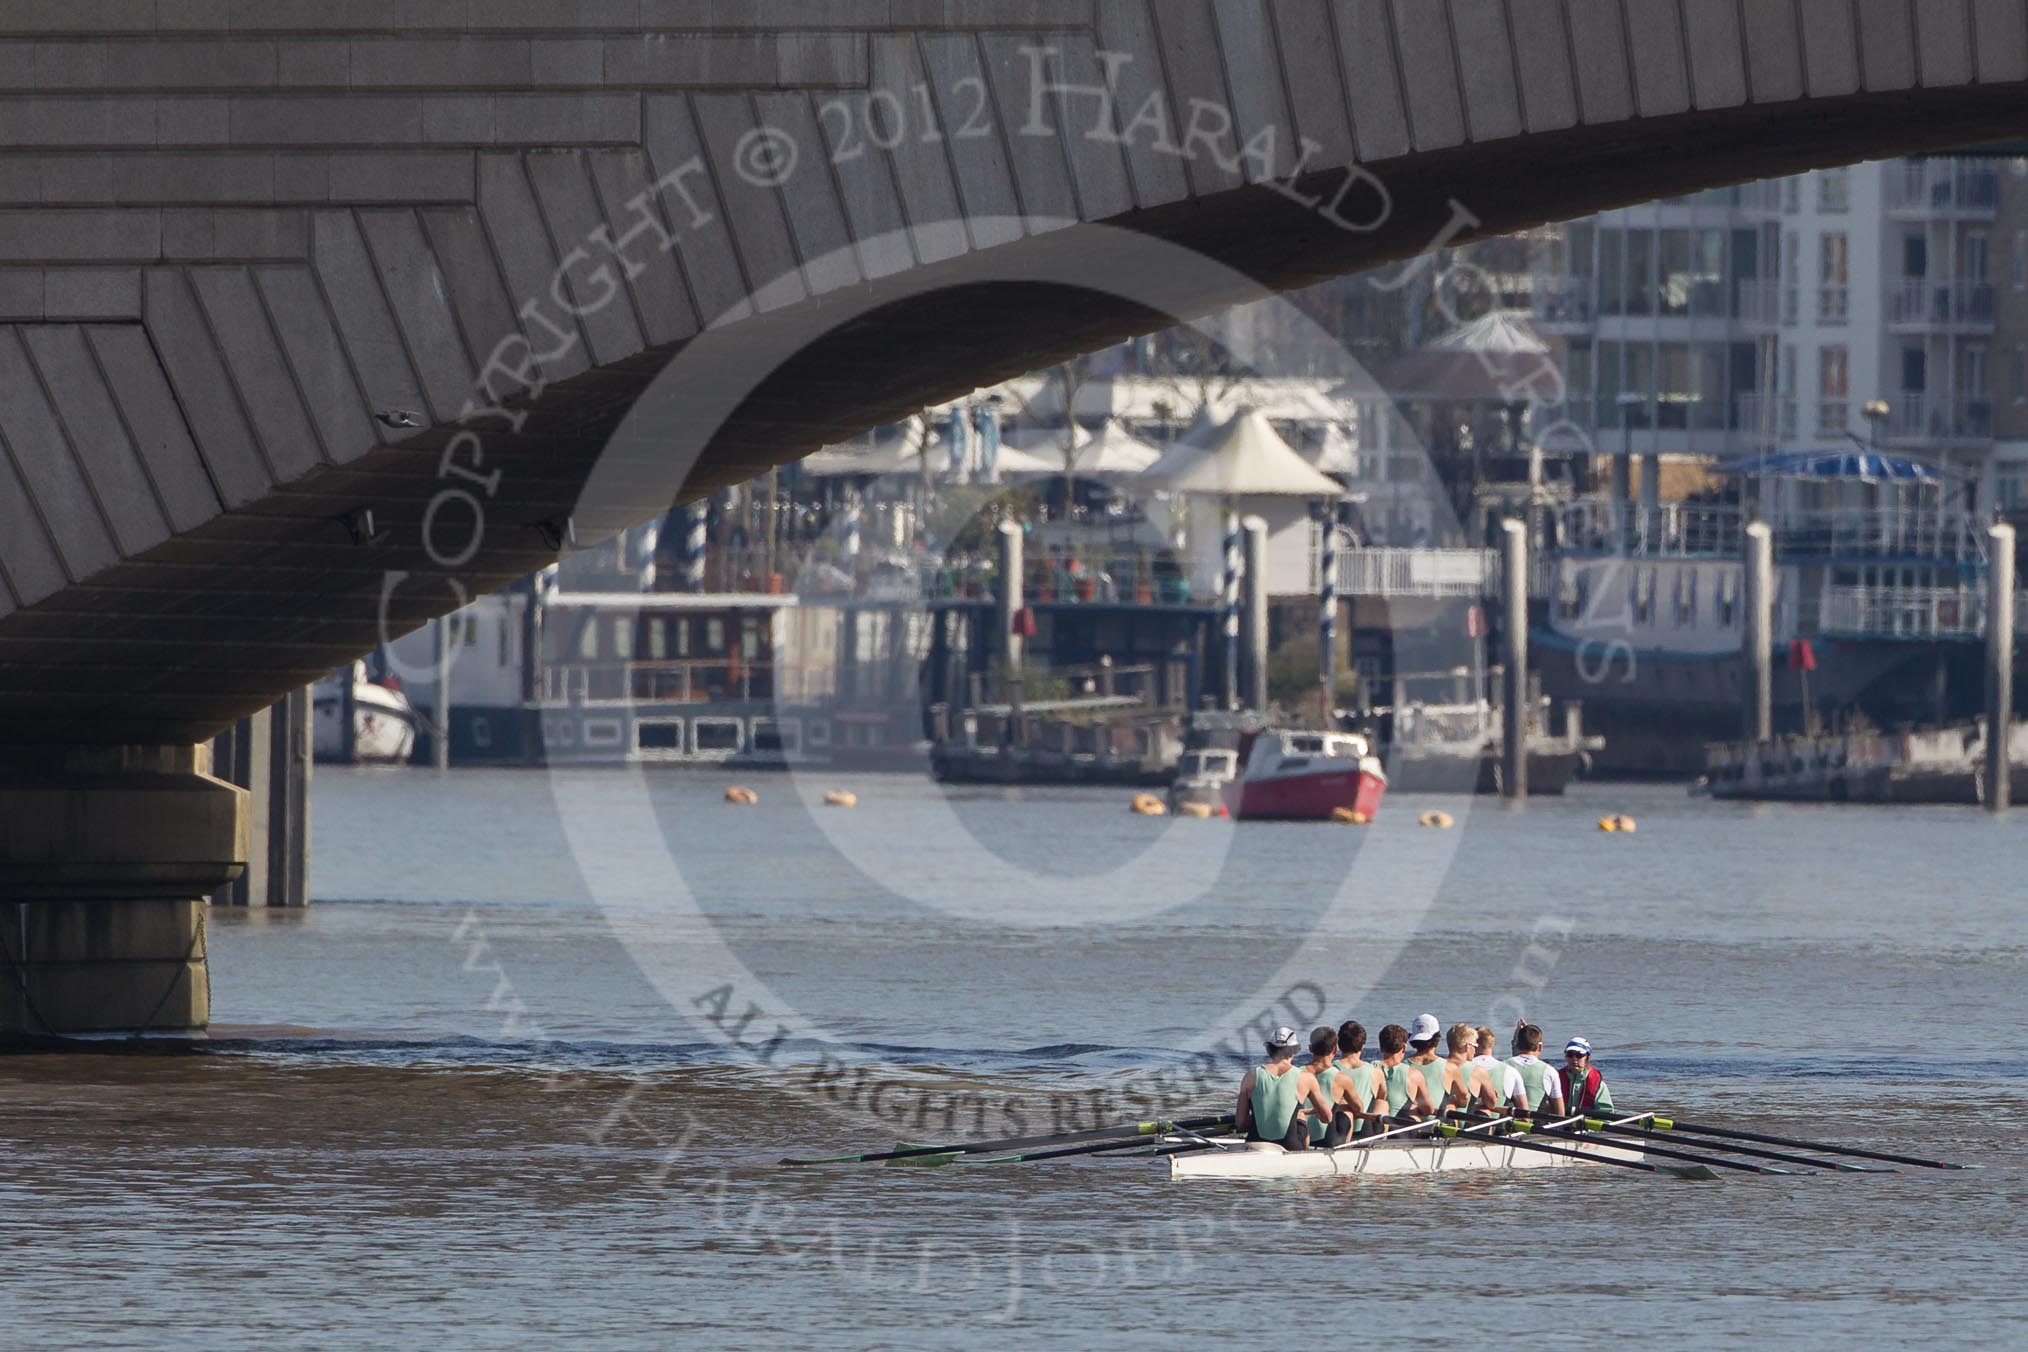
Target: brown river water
x=522, y=1074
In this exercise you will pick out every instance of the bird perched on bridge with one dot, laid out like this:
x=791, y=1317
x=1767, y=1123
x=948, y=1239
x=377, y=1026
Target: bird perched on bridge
x=398, y=417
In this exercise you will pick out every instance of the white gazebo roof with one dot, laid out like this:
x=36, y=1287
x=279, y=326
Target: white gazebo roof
x=1110, y=452
x=1245, y=457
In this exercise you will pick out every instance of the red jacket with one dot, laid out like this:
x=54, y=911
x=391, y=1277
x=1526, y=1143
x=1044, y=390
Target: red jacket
x=1584, y=1096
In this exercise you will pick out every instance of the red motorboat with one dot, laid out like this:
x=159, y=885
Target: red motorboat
x=1290, y=775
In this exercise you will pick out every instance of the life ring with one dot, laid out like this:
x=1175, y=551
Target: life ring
x=1349, y=816
x=840, y=798
x=1442, y=821
x=1148, y=805
x=1618, y=822
x=742, y=795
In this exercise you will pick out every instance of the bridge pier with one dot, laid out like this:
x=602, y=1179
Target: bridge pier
x=106, y=857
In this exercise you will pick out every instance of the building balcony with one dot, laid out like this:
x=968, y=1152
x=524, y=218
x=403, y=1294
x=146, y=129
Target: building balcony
x=1763, y=196
x=1764, y=302
x=1925, y=420
x=1917, y=304
x=1760, y=414
x=1562, y=303
x=1834, y=303
x=1956, y=189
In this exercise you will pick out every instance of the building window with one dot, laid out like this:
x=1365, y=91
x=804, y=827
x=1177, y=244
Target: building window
x=1974, y=269
x=1834, y=278
x=2020, y=260
x=1833, y=387
x=1975, y=372
x=1834, y=190
x=2010, y=485
x=2020, y=374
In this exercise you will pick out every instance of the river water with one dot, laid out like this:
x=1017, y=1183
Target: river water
x=522, y=1073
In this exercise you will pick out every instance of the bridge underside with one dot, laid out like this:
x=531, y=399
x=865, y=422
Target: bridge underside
x=175, y=644
x=233, y=235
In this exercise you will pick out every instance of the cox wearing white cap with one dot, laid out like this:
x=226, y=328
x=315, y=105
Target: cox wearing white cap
x=1274, y=1097
x=1583, y=1087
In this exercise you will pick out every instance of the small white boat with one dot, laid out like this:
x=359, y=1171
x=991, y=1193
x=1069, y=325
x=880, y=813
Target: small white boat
x=1201, y=777
x=1265, y=1159
x=383, y=722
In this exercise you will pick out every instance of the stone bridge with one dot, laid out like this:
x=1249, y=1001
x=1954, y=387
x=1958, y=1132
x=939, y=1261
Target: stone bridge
x=318, y=315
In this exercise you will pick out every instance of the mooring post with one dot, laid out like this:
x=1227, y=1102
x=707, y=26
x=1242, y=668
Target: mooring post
x=1514, y=659
x=440, y=708
x=1757, y=643
x=1254, y=568
x=1999, y=666
x=1010, y=605
x=1229, y=602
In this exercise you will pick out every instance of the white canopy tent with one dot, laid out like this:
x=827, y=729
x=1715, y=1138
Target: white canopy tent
x=1112, y=452
x=1246, y=466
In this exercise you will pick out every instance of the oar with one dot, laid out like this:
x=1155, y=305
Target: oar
x=1158, y=1127
x=1593, y=1124
x=1699, y=1171
x=1732, y=1134
x=1132, y=1142
x=1713, y=1160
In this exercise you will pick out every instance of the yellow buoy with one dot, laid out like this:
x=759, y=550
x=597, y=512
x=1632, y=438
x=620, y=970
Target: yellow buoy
x=1194, y=810
x=1148, y=805
x=1608, y=823
x=1440, y=820
x=739, y=793
x=840, y=798
x=1617, y=821
x=1349, y=816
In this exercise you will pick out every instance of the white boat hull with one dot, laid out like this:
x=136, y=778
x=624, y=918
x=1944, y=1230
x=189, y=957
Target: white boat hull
x=1264, y=1159
x=383, y=725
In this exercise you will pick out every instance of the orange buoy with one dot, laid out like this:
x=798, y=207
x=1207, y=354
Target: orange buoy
x=741, y=794
x=840, y=798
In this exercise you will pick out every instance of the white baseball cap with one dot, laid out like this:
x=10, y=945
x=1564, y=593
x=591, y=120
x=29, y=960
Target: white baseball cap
x=1284, y=1036
x=1424, y=1028
x=1577, y=1044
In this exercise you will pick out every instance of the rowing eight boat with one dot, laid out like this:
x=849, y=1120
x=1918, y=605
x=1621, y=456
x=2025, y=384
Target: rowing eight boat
x=1264, y=1159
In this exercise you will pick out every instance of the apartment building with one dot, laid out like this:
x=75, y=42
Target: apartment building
x=1885, y=303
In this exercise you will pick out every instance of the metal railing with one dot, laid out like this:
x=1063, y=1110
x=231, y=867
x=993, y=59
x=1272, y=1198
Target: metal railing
x=1759, y=300
x=1431, y=572
x=1901, y=612
x=1942, y=187
x=683, y=681
x=1916, y=418
x=1682, y=530
x=1758, y=411
x=1920, y=302
x=1557, y=299
x=1660, y=530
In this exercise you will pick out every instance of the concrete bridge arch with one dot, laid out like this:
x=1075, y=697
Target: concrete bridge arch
x=241, y=242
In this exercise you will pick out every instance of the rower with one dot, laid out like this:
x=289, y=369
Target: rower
x=1274, y=1097
x=1406, y=1087
x=1358, y=1091
x=1323, y=1065
x=1423, y=1036
x=1463, y=1040
x=1583, y=1087
x=1542, y=1080
x=1505, y=1090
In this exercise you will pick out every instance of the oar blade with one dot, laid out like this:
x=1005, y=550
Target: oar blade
x=1700, y=1173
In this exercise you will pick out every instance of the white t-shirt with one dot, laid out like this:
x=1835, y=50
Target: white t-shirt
x=1507, y=1081
x=1552, y=1083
